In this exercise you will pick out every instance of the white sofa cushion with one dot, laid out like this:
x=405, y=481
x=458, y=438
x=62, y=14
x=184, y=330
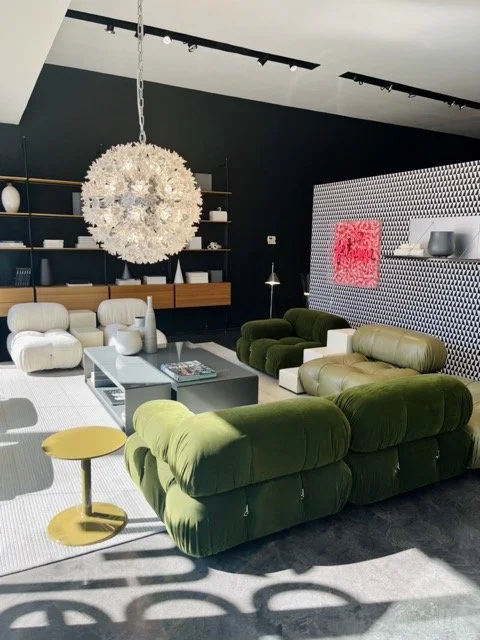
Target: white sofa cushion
x=37, y=316
x=120, y=311
x=53, y=349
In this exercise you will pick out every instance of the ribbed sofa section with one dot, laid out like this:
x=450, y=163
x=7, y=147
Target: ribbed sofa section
x=406, y=434
x=220, y=479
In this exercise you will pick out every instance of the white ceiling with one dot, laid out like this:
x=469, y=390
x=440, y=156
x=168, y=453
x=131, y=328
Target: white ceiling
x=432, y=44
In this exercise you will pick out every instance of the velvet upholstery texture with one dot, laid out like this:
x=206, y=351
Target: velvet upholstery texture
x=380, y=353
x=473, y=426
x=271, y=345
x=221, y=478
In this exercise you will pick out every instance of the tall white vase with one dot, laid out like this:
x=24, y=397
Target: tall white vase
x=178, y=274
x=150, y=337
x=10, y=199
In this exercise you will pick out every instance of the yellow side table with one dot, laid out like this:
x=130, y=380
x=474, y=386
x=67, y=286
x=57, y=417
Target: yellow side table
x=89, y=522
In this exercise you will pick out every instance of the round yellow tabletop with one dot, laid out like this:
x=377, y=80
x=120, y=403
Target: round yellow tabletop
x=82, y=443
x=88, y=522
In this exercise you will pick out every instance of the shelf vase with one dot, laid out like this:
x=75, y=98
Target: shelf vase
x=150, y=337
x=127, y=342
x=178, y=274
x=45, y=273
x=10, y=199
x=441, y=243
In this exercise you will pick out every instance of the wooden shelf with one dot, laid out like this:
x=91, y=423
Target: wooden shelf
x=13, y=295
x=214, y=294
x=48, y=181
x=214, y=221
x=205, y=250
x=432, y=258
x=42, y=215
x=14, y=248
x=74, y=297
x=64, y=249
x=216, y=193
x=162, y=294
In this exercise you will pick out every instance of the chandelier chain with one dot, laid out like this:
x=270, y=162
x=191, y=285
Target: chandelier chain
x=140, y=101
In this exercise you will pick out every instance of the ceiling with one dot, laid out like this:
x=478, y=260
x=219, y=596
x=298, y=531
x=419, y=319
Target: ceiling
x=431, y=44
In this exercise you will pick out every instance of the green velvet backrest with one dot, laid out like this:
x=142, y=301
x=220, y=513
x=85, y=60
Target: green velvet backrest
x=400, y=347
x=214, y=452
x=383, y=415
x=313, y=325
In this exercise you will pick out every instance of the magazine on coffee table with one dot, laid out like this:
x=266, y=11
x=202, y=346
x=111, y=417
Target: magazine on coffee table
x=188, y=371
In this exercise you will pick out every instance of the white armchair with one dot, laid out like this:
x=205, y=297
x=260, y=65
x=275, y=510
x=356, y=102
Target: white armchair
x=39, y=339
x=120, y=313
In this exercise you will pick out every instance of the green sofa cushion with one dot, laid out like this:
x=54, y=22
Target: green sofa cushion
x=383, y=415
x=155, y=421
x=283, y=356
x=313, y=325
x=274, y=328
x=207, y=525
x=212, y=453
x=400, y=347
x=242, y=348
x=382, y=474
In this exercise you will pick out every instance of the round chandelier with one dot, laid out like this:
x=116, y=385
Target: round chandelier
x=139, y=200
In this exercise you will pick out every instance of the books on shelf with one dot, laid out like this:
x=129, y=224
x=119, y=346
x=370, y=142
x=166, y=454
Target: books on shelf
x=197, y=277
x=22, y=276
x=119, y=281
x=86, y=242
x=79, y=282
x=53, y=244
x=114, y=395
x=11, y=243
x=154, y=280
x=188, y=371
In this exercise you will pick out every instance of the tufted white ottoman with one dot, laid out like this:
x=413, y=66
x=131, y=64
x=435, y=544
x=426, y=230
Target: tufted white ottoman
x=39, y=339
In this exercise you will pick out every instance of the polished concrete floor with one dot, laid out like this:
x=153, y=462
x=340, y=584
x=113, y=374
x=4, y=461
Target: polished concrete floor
x=407, y=568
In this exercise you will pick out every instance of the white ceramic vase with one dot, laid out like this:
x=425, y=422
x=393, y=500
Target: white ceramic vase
x=127, y=342
x=10, y=199
x=150, y=337
x=178, y=274
x=139, y=325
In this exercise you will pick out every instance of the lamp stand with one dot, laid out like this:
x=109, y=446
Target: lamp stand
x=271, y=301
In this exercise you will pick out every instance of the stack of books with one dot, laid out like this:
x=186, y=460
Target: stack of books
x=22, y=276
x=79, y=282
x=120, y=281
x=53, y=244
x=14, y=244
x=154, y=280
x=189, y=371
x=86, y=242
x=197, y=277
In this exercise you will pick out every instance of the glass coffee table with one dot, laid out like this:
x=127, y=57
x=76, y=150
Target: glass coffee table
x=123, y=383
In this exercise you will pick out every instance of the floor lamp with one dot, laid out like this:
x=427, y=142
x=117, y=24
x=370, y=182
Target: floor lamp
x=272, y=281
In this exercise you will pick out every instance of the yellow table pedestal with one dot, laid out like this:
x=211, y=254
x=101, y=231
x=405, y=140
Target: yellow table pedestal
x=73, y=528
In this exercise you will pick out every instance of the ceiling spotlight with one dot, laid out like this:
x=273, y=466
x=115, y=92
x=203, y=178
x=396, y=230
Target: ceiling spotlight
x=451, y=103
x=387, y=88
x=412, y=95
x=167, y=39
x=293, y=67
x=110, y=29
x=192, y=47
x=262, y=60
x=462, y=106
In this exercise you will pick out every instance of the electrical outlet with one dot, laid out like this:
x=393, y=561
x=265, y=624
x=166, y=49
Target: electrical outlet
x=271, y=239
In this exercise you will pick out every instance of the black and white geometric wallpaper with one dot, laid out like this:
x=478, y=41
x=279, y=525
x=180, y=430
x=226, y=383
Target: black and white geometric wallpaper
x=439, y=297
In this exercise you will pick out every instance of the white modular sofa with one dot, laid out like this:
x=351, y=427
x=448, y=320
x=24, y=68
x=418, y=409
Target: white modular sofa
x=39, y=339
x=120, y=313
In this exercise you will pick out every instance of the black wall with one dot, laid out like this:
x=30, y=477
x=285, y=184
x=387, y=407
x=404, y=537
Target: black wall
x=276, y=155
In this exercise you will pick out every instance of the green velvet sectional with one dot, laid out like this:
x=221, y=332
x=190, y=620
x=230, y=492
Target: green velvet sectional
x=220, y=479
x=271, y=345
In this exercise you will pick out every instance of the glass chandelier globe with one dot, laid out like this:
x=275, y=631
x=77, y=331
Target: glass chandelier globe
x=140, y=201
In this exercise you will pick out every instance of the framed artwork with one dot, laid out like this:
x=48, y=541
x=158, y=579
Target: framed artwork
x=356, y=253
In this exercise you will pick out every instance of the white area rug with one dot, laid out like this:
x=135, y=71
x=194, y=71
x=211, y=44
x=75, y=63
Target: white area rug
x=34, y=487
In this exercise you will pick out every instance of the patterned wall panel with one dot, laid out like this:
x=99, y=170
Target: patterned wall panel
x=439, y=297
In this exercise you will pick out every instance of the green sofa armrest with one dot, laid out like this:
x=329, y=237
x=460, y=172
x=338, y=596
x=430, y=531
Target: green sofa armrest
x=215, y=452
x=275, y=328
x=155, y=422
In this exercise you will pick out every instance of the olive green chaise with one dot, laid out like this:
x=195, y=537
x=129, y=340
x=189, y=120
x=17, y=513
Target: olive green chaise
x=278, y=343
x=220, y=479
x=380, y=353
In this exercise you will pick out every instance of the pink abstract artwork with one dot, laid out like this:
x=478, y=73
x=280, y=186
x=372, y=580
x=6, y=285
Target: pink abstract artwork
x=356, y=253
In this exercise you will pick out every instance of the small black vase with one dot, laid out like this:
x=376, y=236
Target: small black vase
x=441, y=243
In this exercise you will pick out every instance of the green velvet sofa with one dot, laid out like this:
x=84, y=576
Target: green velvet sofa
x=220, y=479
x=380, y=353
x=271, y=345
